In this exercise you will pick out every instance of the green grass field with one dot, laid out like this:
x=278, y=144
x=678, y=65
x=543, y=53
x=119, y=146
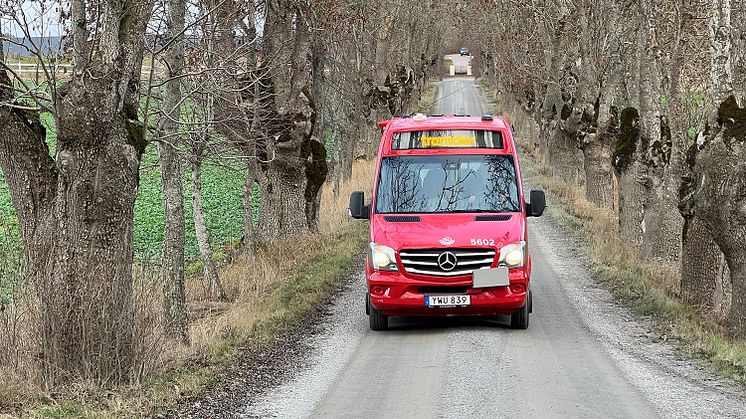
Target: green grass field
x=222, y=191
x=222, y=201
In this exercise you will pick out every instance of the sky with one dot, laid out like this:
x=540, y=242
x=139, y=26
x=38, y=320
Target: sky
x=42, y=17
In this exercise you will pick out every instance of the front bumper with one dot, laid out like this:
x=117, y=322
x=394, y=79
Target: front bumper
x=396, y=295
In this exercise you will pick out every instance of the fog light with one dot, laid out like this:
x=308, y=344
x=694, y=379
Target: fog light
x=518, y=288
x=378, y=290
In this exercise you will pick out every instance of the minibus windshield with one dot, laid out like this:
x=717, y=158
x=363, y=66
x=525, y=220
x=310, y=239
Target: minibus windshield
x=447, y=183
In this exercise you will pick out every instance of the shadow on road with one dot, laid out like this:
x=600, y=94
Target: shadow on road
x=444, y=323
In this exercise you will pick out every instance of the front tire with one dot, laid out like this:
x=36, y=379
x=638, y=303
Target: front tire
x=519, y=319
x=378, y=320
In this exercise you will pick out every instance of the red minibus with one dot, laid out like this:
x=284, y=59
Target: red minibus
x=448, y=232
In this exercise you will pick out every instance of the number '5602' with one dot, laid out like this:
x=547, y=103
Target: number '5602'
x=482, y=242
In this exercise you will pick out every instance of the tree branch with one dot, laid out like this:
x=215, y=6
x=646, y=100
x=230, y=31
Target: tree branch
x=24, y=158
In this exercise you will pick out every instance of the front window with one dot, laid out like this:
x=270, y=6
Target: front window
x=441, y=184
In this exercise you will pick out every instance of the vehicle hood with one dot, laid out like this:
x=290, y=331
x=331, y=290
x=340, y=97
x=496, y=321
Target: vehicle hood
x=446, y=230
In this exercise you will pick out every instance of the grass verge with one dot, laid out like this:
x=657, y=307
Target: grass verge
x=308, y=287
x=648, y=288
x=267, y=294
x=427, y=100
x=645, y=287
x=447, y=64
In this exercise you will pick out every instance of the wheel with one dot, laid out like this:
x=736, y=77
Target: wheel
x=378, y=320
x=519, y=319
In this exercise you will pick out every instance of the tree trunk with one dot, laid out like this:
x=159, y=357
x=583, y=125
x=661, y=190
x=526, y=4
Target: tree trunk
x=720, y=168
x=76, y=211
x=552, y=101
x=174, y=295
x=702, y=268
x=249, y=237
x=631, y=174
x=705, y=278
x=737, y=315
x=595, y=118
x=212, y=278
x=77, y=217
x=316, y=172
x=599, y=174
x=293, y=173
x=283, y=212
x=382, y=49
x=565, y=159
x=723, y=291
x=720, y=200
x=662, y=223
x=632, y=193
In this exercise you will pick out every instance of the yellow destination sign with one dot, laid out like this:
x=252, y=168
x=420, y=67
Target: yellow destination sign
x=456, y=141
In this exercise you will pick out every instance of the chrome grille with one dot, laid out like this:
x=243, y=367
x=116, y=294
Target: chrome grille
x=425, y=261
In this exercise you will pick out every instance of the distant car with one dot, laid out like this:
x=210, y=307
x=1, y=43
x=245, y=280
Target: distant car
x=464, y=51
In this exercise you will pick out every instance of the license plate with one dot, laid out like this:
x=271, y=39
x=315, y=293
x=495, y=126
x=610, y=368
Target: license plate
x=447, y=301
x=497, y=277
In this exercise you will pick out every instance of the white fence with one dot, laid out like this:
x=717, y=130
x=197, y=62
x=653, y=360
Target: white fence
x=36, y=70
x=25, y=68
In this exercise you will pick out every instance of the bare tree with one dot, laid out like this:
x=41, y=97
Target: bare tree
x=720, y=168
x=626, y=96
x=172, y=176
x=597, y=109
x=705, y=279
x=76, y=208
x=215, y=287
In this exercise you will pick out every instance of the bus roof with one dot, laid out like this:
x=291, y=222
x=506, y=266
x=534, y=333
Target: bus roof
x=444, y=123
x=436, y=122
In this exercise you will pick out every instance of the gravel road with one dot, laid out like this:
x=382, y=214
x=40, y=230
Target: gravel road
x=583, y=355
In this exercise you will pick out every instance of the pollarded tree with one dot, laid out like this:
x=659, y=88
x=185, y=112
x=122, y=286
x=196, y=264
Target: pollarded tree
x=594, y=114
x=289, y=184
x=76, y=209
x=719, y=186
x=648, y=162
x=705, y=279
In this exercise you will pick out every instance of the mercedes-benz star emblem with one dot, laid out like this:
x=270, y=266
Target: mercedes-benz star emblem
x=447, y=261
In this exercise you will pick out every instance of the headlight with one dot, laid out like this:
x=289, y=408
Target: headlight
x=513, y=255
x=383, y=257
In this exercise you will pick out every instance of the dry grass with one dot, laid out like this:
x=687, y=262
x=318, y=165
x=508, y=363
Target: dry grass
x=427, y=101
x=606, y=245
x=265, y=293
x=649, y=288
x=19, y=345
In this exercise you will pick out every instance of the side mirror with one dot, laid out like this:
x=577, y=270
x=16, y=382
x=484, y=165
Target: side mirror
x=358, y=210
x=538, y=202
